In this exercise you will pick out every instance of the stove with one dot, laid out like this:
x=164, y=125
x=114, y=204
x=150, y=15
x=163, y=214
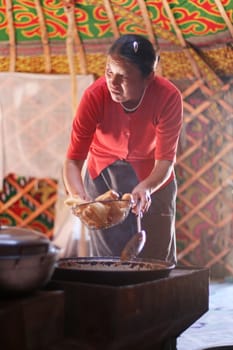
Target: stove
x=33, y=321
x=145, y=315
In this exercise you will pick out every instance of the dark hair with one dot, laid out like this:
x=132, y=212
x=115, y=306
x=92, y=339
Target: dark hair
x=136, y=49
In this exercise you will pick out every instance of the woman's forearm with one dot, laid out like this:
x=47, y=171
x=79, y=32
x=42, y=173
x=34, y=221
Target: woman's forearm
x=72, y=178
x=159, y=175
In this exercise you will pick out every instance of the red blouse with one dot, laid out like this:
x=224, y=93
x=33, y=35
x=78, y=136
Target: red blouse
x=104, y=132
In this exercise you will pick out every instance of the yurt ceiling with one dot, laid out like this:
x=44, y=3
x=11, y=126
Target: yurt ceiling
x=194, y=37
x=195, y=42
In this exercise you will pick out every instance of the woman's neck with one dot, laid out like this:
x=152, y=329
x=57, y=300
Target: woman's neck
x=136, y=106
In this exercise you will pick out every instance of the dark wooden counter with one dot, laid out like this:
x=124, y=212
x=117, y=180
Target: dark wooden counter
x=31, y=322
x=143, y=316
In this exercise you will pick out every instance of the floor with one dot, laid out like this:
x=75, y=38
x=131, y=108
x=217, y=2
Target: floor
x=215, y=327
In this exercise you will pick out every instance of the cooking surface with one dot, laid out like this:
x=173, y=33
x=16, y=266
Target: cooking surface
x=110, y=271
x=110, y=265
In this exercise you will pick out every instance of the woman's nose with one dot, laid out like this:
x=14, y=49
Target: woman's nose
x=115, y=80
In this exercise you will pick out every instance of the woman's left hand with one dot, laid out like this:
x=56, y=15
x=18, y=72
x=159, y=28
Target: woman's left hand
x=160, y=173
x=141, y=195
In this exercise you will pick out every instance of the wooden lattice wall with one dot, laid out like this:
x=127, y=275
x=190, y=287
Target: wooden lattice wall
x=205, y=178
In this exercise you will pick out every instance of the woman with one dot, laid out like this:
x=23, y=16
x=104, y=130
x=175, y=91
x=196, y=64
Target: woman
x=127, y=126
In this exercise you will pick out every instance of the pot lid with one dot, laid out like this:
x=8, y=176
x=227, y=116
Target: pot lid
x=22, y=241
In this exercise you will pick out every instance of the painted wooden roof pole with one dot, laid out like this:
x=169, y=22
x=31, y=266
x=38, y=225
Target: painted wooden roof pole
x=78, y=43
x=143, y=8
x=224, y=16
x=44, y=37
x=150, y=31
x=111, y=18
x=73, y=36
x=11, y=30
x=69, y=8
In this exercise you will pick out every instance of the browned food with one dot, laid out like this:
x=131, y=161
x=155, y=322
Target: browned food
x=109, y=266
x=109, y=195
x=106, y=210
x=96, y=214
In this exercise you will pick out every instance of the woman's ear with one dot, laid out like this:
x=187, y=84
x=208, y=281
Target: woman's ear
x=150, y=77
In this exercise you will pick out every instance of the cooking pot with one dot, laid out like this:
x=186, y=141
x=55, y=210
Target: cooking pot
x=27, y=260
x=110, y=270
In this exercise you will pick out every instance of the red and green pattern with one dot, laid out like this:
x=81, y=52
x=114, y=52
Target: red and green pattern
x=194, y=18
x=19, y=202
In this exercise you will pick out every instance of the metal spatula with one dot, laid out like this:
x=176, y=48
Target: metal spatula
x=135, y=245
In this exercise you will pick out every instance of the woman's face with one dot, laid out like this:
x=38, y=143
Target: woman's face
x=124, y=80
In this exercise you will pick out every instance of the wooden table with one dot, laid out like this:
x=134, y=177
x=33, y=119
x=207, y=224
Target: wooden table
x=146, y=316
x=31, y=322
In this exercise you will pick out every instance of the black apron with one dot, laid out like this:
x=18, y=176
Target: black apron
x=158, y=222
